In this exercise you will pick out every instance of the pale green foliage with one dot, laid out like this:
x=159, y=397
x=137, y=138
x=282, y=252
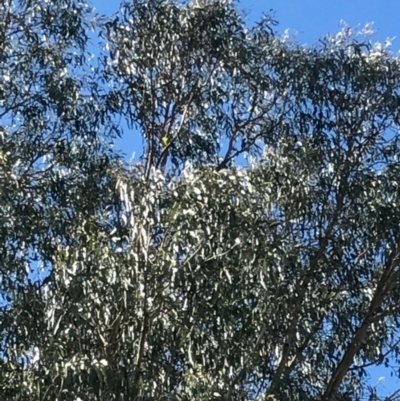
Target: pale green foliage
x=251, y=255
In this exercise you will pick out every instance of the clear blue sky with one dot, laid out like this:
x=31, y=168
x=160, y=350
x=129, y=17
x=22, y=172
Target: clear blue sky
x=313, y=19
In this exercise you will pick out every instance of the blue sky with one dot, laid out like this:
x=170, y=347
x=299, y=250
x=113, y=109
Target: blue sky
x=312, y=19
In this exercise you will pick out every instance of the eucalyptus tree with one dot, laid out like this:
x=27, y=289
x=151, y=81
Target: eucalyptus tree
x=53, y=154
x=251, y=254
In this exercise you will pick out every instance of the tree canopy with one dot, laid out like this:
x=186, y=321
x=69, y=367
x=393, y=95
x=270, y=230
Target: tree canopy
x=252, y=253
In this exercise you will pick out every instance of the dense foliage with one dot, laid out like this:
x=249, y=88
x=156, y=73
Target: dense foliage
x=253, y=251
